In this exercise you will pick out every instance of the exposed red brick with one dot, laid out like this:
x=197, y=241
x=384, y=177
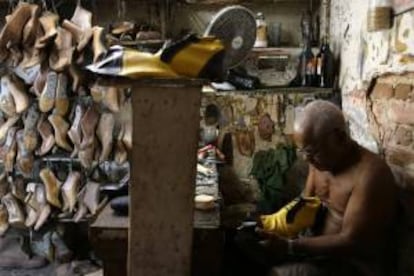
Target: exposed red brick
x=379, y=110
x=382, y=91
x=387, y=134
x=401, y=112
x=402, y=91
x=403, y=136
x=400, y=156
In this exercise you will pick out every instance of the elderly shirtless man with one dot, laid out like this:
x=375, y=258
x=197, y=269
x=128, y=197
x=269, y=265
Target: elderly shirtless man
x=358, y=189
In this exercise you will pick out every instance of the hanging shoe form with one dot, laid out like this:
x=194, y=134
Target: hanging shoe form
x=32, y=26
x=7, y=104
x=39, y=203
x=32, y=205
x=75, y=132
x=47, y=97
x=18, y=188
x=105, y=134
x=61, y=101
x=98, y=45
x=31, y=57
x=4, y=184
x=39, y=83
x=15, y=213
x=11, y=150
x=4, y=128
x=77, y=77
x=15, y=56
x=82, y=37
x=107, y=96
x=91, y=197
x=49, y=22
x=30, y=138
x=86, y=155
x=52, y=187
x=70, y=191
x=110, y=98
x=48, y=140
x=24, y=159
x=28, y=74
x=88, y=127
x=61, y=128
x=4, y=220
x=127, y=138
x=82, y=209
x=13, y=30
x=18, y=91
x=62, y=53
x=121, y=155
x=82, y=17
x=43, y=216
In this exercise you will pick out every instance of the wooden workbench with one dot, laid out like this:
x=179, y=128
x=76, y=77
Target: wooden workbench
x=109, y=234
x=109, y=237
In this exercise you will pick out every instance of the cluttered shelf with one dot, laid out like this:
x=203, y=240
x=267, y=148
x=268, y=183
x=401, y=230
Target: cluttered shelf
x=229, y=2
x=276, y=90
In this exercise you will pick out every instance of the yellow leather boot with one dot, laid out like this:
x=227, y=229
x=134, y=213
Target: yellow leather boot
x=295, y=217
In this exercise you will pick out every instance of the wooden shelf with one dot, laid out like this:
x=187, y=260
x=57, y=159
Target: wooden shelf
x=280, y=90
x=234, y=2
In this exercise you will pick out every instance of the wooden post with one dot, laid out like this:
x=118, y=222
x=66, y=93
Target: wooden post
x=166, y=120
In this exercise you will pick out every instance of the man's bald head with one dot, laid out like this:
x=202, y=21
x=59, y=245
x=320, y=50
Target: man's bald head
x=319, y=118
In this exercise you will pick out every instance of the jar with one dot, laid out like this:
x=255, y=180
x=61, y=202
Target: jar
x=261, y=31
x=379, y=15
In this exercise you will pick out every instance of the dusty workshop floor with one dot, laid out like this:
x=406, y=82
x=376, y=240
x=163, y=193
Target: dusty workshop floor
x=49, y=270
x=45, y=271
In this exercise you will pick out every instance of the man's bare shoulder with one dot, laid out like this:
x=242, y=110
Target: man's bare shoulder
x=373, y=170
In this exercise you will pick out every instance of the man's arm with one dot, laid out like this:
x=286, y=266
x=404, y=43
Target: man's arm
x=309, y=189
x=367, y=216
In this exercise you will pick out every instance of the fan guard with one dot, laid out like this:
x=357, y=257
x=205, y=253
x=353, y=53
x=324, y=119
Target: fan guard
x=235, y=26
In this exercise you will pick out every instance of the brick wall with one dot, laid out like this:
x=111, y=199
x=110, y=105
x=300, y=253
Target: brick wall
x=390, y=108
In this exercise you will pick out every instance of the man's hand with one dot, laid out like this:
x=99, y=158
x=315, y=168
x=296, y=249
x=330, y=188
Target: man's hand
x=276, y=245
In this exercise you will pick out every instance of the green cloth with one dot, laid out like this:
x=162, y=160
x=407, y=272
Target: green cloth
x=270, y=168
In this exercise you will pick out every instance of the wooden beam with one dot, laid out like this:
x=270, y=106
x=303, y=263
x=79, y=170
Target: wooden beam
x=166, y=125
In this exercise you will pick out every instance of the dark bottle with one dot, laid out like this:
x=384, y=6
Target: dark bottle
x=307, y=65
x=319, y=80
x=325, y=71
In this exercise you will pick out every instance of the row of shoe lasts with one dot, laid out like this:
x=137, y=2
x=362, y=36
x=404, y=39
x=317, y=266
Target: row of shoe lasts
x=32, y=36
x=92, y=136
x=27, y=205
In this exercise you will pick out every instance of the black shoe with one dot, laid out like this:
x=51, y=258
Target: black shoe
x=120, y=205
x=117, y=189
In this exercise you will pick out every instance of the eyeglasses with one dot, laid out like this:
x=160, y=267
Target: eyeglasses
x=312, y=153
x=308, y=152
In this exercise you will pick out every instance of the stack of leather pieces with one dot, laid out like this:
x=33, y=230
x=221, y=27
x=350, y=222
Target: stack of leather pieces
x=51, y=119
x=127, y=33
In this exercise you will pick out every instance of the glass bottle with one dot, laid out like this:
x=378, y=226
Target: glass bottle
x=261, y=32
x=328, y=66
x=325, y=69
x=306, y=26
x=319, y=79
x=307, y=65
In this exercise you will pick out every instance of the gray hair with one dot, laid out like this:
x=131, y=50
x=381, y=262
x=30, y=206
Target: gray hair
x=319, y=117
